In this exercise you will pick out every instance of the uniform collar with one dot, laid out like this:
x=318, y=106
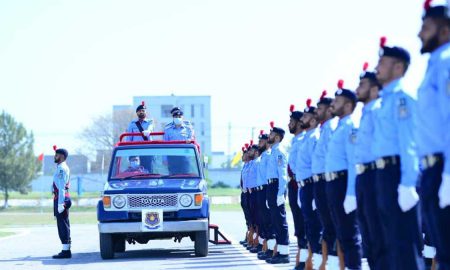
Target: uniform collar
x=392, y=87
x=369, y=105
x=275, y=145
x=143, y=120
x=309, y=132
x=61, y=164
x=435, y=55
x=342, y=120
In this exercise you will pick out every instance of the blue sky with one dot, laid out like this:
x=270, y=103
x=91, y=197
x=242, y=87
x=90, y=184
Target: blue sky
x=63, y=62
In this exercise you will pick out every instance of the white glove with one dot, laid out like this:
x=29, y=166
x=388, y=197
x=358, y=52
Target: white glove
x=267, y=204
x=299, y=203
x=280, y=200
x=349, y=204
x=60, y=208
x=146, y=133
x=407, y=197
x=314, y=207
x=444, y=191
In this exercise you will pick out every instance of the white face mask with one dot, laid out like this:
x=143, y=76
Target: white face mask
x=134, y=164
x=177, y=121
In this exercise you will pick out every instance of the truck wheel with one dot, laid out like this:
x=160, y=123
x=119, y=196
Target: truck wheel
x=106, y=246
x=119, y=244
x=201, y=243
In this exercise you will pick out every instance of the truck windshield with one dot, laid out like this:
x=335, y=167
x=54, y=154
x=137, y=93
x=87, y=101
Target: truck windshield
x=155, y=163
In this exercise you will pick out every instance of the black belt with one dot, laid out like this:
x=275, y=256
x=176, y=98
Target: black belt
x=306, y=181
x=272, y=180
x=365, y=167
x=387, y=161
x=429, y=161
x=335, y=175
x=318, y=177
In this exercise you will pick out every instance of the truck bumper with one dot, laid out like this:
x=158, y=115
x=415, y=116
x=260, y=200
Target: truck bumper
x=168, y=226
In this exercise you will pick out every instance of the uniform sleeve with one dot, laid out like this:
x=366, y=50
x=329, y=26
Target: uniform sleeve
x=350, y=153
x=282, y=173
x=406, y=120
x=443, y=101
x=60, y=182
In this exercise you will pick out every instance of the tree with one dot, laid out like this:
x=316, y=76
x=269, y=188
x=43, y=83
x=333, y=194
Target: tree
x=102, y=134
x=18, y=164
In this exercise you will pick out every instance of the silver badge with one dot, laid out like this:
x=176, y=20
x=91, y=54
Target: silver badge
x=402, y=108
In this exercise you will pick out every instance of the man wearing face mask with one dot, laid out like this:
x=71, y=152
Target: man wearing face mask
x=179, y=129
x=62, y=202
x=135, y=165
x=433, y=138
x=141, y=125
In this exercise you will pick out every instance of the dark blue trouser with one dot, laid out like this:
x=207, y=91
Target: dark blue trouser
x=244, y=205
x=264, y=223
x=374, y=246
x=299, y=225
x=347, y=230
x=401, y=230
x=436, y=219
x=278, y=215
x=311, y=218
x=252, y=205
x=62, y=221
x=328, y=230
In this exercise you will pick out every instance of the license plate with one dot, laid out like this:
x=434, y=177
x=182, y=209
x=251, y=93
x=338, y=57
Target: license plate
x=152, y=220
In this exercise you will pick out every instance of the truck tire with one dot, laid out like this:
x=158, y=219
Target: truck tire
x=106, y=246
x=119, y=243
x=201, y=243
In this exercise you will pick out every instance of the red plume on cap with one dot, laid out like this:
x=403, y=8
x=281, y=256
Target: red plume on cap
x=246, y=145
x=340, y=84
x=382, y=42
x=272, y=124
x=308, y=102
x=55, y=147
x=291, y=108
x=365, y=66
x=427, y=4
x=261, y=132
x=324, y=93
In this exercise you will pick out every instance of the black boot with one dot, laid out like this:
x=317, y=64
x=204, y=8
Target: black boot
x=64, y=254
x=278, y=259
x=256, y=249
x=265, y=255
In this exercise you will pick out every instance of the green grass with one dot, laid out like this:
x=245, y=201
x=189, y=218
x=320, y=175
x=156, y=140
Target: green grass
x=4, y=234
x=46, y=195
x=224, y=192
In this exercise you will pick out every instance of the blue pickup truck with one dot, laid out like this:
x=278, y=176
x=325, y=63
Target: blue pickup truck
x=155, y=190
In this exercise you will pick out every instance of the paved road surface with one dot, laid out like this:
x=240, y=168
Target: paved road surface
x=32, y=249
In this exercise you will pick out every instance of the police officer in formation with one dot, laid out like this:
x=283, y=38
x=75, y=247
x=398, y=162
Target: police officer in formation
x=374, y=179
x=62, y=202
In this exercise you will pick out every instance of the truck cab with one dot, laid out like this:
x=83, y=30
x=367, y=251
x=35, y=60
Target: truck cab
x=155, y=190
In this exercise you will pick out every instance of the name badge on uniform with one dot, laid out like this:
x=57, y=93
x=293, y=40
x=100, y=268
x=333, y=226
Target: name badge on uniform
x=280, y=160
x=353, y=135
x=402, y=108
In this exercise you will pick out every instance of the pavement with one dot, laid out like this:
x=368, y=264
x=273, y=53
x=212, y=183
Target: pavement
x=32, y=248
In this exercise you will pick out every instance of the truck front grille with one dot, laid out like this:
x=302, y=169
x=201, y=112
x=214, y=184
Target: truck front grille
x=153, y=201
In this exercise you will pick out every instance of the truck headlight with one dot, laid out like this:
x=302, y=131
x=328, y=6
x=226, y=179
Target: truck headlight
x=185, y=200
x=119, y=201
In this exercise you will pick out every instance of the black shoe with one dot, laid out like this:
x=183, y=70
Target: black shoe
x=243, y=242
x=300, y=266
x=266, y=255
x=249, y=247
x=278, y=259
x=269, y=259
x=65, y=254
x=256, y=249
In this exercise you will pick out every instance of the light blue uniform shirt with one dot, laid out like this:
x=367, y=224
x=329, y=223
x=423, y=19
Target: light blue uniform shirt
x=318, y=157
x=395, y=121
x=147, y=124
x=251, y=174
x=61, y=179
x=181, y=133
x=294, y=150
x=433, y=107
x=304, y=154
x=261, y=178
x=340, y=155
x=364, y=140
x=277, y=168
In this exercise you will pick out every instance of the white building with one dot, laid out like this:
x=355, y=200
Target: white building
x=196, y=109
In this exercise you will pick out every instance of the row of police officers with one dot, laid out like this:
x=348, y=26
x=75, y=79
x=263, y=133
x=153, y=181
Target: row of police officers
x=360, y=187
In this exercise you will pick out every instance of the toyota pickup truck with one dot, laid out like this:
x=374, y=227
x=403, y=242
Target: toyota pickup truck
x=155, y=190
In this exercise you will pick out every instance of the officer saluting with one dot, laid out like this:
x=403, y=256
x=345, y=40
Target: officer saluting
x=178, y=130
x=141, y=125
x=62, y=202
x=276, y=192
